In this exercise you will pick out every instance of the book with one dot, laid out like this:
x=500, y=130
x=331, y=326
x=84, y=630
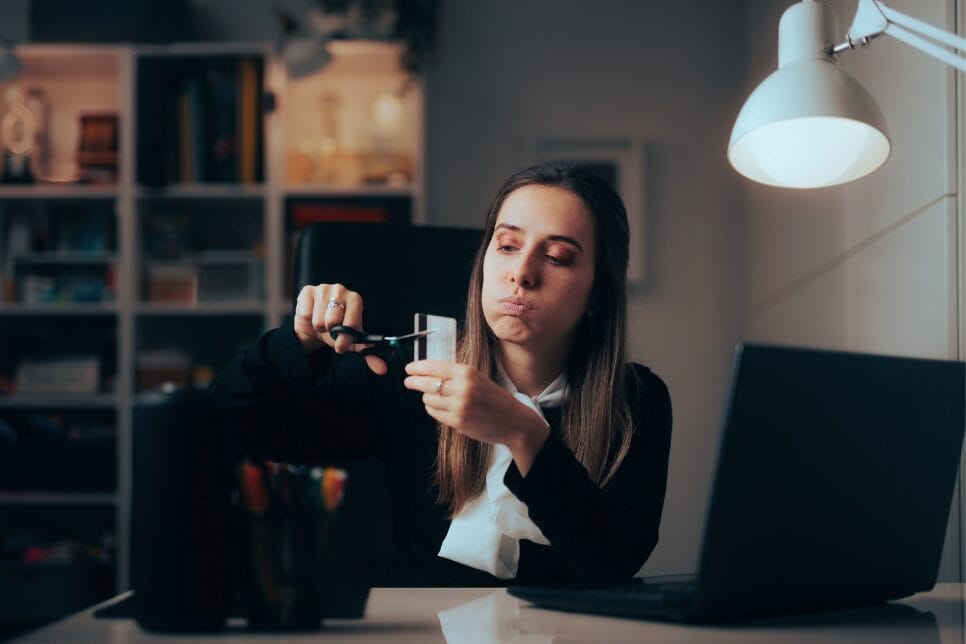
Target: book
x=221, y=86
x=196, y=112
x=185, y=138
x=247, y=120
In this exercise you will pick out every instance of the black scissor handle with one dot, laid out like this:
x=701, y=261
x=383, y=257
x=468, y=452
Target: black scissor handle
x=358, y=337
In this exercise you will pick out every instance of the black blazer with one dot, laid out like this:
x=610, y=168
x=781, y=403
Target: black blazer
x=326, y=407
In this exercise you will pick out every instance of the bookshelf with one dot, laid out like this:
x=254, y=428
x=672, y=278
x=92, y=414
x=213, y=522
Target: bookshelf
x=158, y=259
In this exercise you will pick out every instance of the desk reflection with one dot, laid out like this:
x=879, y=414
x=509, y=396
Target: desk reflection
x=499, y=618
x=485, y=615
x=492, y=619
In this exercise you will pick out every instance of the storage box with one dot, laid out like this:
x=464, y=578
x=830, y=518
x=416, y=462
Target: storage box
x=157, y=367
x=169, y=284
x=60, y=375
x=228, y=282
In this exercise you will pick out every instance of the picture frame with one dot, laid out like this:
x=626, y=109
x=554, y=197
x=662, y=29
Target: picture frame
x=620, y=162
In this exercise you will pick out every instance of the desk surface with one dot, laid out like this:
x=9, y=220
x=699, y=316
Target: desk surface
x=482, y=616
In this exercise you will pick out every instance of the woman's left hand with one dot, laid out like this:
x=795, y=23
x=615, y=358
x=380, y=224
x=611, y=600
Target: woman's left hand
x=461, y=397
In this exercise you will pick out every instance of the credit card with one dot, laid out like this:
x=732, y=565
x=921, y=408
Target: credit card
x=439, y=345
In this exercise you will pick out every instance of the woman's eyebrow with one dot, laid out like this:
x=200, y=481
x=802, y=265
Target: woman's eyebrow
x=563, y=238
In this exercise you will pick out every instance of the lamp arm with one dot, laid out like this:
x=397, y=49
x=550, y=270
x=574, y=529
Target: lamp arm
x=914, y=25
x=873, y=18
x=923, y=45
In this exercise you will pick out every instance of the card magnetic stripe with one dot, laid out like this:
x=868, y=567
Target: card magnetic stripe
x=421, y=342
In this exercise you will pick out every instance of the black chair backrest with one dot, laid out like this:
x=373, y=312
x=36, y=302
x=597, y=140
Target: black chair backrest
x=398, y=270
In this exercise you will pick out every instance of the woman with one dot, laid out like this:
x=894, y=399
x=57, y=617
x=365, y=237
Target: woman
x=541, y=454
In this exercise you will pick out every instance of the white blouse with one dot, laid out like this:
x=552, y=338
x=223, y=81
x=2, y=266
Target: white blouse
x=486, y=532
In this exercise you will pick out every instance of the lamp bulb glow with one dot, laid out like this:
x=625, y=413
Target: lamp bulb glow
x=809, y=152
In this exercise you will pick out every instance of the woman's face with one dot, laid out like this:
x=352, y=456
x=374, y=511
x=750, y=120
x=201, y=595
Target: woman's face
x=539, y=268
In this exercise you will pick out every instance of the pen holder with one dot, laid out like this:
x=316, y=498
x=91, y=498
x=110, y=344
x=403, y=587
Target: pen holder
x=289, y=512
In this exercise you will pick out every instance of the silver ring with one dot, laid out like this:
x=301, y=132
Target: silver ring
x=334, y=304
x=438, y=389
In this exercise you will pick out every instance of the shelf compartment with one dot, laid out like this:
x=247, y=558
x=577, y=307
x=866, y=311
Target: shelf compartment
x=62, y=450
x=200, y=119
x=55, y=559
x=58, y=252
x=58, y=356
x=189, y=349
x=356, y=123
x=202, y=253
x=56, y=468
x=65, y=86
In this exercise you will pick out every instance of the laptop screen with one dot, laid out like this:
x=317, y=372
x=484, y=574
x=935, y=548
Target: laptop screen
x=834, y=480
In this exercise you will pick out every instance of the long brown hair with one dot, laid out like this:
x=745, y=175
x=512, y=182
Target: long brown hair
x=596, y=422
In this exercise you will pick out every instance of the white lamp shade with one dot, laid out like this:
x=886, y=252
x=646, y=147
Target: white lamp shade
x=808, y=125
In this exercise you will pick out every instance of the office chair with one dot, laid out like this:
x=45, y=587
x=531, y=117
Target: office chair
x=399, y=270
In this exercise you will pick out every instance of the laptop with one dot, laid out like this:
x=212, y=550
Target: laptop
x=833, y=487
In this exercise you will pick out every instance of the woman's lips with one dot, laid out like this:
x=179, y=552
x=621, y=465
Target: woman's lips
x=515, y=306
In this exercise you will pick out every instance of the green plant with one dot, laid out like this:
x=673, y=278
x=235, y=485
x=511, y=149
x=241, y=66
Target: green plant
x=411, y=22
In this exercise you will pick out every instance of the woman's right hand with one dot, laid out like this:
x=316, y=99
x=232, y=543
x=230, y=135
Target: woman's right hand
x=314, y=316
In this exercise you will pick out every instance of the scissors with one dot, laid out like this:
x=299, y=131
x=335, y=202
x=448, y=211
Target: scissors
x=385, y=343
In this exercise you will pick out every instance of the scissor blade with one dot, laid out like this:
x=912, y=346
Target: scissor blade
x=410, y=336
x=358, y=337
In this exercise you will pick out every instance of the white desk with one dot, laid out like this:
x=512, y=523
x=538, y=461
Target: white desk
x=482, y=616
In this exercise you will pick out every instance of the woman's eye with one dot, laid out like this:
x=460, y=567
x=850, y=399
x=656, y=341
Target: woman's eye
x=506, y=248
x=558, y=261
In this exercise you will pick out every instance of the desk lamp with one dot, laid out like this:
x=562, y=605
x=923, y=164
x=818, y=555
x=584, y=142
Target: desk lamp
x=810, y=124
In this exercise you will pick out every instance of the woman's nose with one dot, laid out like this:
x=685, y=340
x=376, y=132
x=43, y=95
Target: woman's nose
x=525, y=272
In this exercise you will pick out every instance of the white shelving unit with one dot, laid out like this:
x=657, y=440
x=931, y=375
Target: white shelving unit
x=81, y=78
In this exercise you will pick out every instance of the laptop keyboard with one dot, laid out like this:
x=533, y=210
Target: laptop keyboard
x=653, y=598
x=669, y=590
x=665, y=591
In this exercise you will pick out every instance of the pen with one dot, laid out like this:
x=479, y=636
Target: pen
x=254, y=493
x=333, y=487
